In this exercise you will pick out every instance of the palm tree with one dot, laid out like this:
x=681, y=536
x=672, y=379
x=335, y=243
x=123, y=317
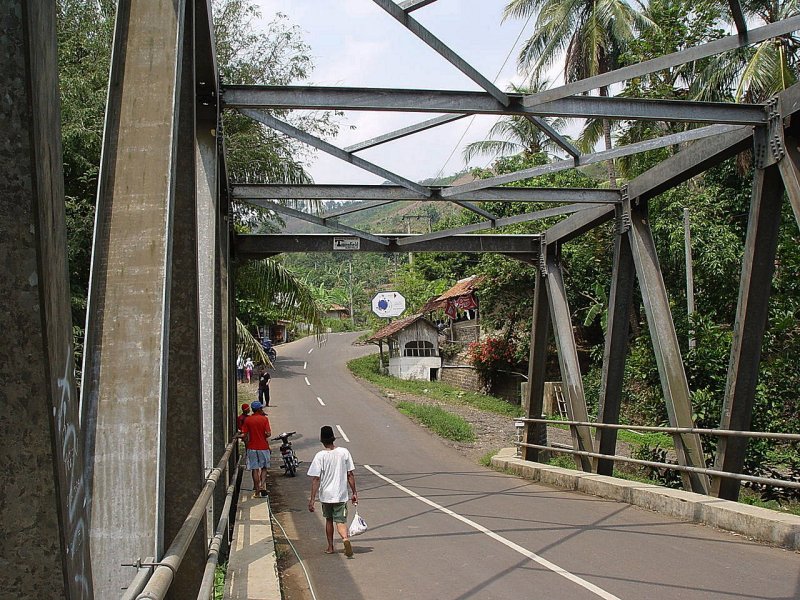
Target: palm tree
x=516, y=134
x=271, y=285
x=588, y=35
x=758, y=72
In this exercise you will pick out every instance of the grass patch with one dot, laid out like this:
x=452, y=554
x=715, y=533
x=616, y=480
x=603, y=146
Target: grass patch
x=441, y=422
x=219, y=580
x=366, y=368
x=565, y=461
x=747, y=496
x=651, y=439
x=486, y=459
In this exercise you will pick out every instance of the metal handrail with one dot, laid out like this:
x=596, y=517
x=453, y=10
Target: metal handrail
x=207, y=583
x=650, y=463
x=791, y=437
x=168, y=566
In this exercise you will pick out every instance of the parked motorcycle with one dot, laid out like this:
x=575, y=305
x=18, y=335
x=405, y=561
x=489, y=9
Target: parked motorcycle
x=290, y=460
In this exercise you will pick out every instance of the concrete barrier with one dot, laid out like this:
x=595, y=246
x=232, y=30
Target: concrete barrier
x=761, y=524
x=252, y=566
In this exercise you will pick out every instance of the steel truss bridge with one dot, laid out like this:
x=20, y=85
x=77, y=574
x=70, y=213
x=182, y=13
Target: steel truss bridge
x=98, y=480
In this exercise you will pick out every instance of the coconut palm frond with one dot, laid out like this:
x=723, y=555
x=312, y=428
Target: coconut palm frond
x=247, y=344
x=273, y=285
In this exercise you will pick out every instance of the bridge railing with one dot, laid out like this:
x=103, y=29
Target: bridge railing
x=787, y=437
x=147, y=586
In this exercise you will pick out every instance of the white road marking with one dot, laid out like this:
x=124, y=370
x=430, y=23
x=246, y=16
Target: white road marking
x=307, y=382
x=320, y=401
x=506, y=542
x=305, y=364
x=344, y=435
x=310, y=351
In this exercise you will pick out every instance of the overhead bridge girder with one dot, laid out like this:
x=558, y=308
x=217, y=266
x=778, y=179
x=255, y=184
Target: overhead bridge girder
x=262, y=246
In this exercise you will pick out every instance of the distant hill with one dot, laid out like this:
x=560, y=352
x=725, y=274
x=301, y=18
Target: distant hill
x=398, y=217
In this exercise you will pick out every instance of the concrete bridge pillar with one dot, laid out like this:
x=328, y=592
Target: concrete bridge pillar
x=42, y=500
x=142, y=383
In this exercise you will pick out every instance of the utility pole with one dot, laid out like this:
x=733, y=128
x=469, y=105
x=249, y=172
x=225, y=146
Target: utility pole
x=407, y=219
x=352, y=316
x=687, y=236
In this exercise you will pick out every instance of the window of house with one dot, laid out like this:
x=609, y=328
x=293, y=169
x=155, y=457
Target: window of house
x=419, y=348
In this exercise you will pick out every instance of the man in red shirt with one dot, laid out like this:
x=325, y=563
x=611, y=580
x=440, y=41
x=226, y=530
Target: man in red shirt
x=240, y=419
x=256, y=432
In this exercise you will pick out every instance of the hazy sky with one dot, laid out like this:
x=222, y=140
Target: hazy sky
x=355, y=43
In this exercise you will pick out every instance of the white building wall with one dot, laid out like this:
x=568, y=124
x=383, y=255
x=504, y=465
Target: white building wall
x=414, y=367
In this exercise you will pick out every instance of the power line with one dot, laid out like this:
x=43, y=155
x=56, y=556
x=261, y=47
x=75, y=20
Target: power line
x=472, y=119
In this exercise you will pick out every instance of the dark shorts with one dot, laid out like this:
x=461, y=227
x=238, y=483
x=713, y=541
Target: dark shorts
x=337, y=511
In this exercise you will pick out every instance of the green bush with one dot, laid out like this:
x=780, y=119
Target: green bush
x=441, y=422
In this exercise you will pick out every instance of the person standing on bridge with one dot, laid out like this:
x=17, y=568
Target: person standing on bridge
x=331, y=471
x=256, y=431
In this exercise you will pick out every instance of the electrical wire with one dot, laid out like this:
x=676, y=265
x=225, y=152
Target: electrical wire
x=291, y=545
x=472, y=119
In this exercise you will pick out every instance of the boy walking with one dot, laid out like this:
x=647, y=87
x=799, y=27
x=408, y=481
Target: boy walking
x=331, y=472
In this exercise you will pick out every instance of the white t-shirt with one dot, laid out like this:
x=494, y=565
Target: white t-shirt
x=332, y=466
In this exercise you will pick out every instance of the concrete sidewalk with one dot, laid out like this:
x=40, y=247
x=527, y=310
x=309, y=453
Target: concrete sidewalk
x=252, y=568
x=761, y=524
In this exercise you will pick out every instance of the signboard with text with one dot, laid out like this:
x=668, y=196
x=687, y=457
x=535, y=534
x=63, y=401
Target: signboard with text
x=346, y=243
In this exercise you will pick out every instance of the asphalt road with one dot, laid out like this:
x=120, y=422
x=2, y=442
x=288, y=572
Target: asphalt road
x=443, y=527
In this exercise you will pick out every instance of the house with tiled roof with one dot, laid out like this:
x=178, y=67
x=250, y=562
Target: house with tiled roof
x=337, y=311
x=412, y=348
x=459, y=306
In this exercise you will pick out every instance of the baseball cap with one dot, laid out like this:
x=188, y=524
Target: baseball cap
x=245, y=407
x=256, y=405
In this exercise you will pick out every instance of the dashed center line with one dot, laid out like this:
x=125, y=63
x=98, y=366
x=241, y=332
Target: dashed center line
x=344, y=435
x=310, y=351
x=320, y=401
x=506, y=542
x=307, y=381
x=305, y=364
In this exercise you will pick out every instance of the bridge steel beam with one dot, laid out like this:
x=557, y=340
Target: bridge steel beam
x=335, y=191
x=45, y=550
x=758, y=266
x=252, y=246
x=184, y=474
x=568, y=357
x=674, y=383
x=620, y=300
x=208, y=232
x=243, y=97
x=126, y=374
x=533, y=401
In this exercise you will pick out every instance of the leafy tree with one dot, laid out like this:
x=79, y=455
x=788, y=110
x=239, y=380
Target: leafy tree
x=754, y=73
x=588, y=35
x=517, y=134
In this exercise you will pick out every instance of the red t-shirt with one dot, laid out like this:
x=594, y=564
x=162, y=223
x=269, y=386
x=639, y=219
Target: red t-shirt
x=256, y=426
x=240, y=420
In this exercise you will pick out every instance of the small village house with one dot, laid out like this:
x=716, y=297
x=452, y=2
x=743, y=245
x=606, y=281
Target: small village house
x=412, y=348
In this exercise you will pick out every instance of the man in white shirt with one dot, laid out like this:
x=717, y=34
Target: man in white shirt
x=331, y=472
